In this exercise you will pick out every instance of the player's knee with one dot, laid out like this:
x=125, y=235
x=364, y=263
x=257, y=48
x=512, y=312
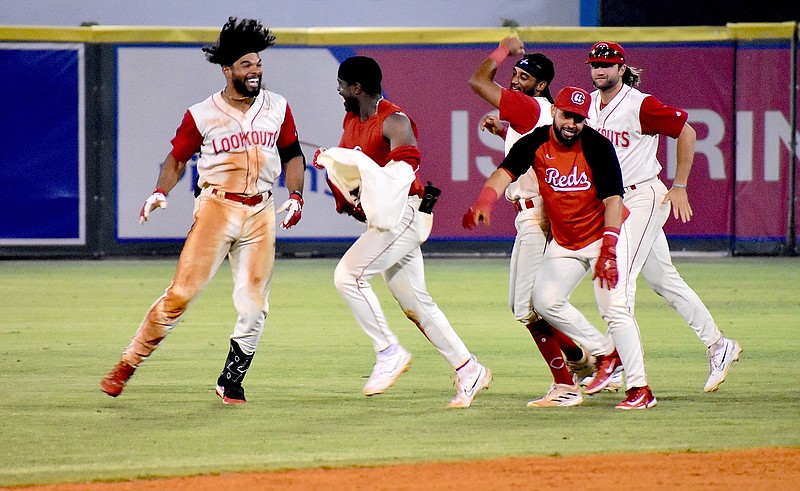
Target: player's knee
x=343, y=278
x=178, y=298
x=544, y=302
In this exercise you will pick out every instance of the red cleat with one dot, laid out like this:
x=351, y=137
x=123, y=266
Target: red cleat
x=113, y=383
x=605, y=369
x=638, y=398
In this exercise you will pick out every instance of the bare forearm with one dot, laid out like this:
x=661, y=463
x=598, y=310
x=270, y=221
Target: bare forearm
x=613, y=215
x=685, y=155
x=170, y=173
x=294, y=174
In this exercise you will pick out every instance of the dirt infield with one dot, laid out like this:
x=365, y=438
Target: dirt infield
x=759, y=469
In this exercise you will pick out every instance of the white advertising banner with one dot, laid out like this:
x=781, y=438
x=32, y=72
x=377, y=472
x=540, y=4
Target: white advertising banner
x=156, y=85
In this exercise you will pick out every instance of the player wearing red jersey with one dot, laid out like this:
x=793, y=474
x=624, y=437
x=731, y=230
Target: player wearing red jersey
x=581, y=185
x=525, y=104
x=245, y=136
x=385, y=134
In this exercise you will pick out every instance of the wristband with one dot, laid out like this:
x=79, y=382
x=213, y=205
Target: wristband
x=487, y=198
x=499, y=54
x=159, y=190
x=296, y=192
x=676, y=185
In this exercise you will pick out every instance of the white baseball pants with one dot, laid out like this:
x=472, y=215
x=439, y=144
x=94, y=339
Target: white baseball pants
x=396, y=255
x=559, y=273
x=649, y=250
x=221, y=227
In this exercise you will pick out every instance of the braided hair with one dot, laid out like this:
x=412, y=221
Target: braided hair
x=238, y=38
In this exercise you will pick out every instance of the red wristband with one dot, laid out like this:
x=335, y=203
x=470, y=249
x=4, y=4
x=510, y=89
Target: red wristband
x=487, y=198
x=499, y=54
x=159, y=190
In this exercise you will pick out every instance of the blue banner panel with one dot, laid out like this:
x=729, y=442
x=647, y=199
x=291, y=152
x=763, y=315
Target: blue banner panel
x=41, y=167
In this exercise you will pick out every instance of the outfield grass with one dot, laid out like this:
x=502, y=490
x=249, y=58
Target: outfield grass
x=63, y=325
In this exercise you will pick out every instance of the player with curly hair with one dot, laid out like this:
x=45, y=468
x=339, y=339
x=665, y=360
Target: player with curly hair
x=245, y=136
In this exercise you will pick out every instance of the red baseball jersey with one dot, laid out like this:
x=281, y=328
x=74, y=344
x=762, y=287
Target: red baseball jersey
x=368, y=135
x=573, y=180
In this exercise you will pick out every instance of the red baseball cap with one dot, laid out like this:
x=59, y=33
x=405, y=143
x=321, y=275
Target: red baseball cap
x=605, y=52
x=573, y=100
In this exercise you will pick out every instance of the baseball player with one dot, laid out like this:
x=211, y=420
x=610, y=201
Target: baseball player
x=245, y=136
x=525, y=105
x=633, y=121
x=388, y=136
x=581, y=185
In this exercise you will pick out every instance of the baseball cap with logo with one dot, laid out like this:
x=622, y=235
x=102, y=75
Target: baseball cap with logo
x=606, y=52
x=573, y=100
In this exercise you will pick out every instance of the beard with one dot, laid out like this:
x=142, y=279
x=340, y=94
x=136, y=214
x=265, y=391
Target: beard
x=560, y=136
x=351, y=105
x=243, y=89
x=604, y=84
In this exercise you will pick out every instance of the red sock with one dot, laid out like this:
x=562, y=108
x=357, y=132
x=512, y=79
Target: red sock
x=571, y=350
x=550, y=349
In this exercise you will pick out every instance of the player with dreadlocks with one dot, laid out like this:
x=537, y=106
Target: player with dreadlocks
x=245, y=136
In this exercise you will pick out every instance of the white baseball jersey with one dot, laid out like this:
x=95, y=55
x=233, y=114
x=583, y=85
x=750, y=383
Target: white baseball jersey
x=238, y=151
x=527, y=186
x=632, y=121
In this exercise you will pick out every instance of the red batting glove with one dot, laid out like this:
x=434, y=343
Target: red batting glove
x=314, y=160
x=481, y=210
x=293, y=208
x=605, y=269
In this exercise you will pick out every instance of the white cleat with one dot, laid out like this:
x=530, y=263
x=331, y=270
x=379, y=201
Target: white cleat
x=387, y=370
x=474, y=378
x=559, y=395
x=720, y=361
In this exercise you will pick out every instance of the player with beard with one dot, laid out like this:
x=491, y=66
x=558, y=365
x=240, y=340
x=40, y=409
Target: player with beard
x=245, y=137
x=581, y=184
x=387, y=136
x=524, y=105
x=634, y=121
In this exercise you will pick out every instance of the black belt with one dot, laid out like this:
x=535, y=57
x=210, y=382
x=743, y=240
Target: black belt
x=251, y=200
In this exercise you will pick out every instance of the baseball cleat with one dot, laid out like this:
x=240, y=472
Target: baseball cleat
x=720, y=361
x=113, y=383
x=561, y=395
x=584, y=367
x=231, y=394
x=638, y=398
x=606, y=364
x=387, y=370
x=470, y=379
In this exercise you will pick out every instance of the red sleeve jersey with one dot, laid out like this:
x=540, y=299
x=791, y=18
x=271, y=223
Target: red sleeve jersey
x=368, y=136
x=573, y=180
x=519, y=109
x=658, y=118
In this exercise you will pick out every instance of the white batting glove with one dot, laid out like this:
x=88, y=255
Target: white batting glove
x=156, y=200
x=293, y=208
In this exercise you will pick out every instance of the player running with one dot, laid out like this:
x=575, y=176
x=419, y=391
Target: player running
x=633, y=121
x=245, y=135
x=387, y=141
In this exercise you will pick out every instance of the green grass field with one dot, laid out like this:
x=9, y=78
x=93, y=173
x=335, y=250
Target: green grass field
x=63, y=325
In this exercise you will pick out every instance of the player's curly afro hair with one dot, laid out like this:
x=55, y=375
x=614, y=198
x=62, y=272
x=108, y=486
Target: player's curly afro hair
x=238, y=38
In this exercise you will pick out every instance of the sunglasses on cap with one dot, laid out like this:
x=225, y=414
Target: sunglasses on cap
x=605, y=52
